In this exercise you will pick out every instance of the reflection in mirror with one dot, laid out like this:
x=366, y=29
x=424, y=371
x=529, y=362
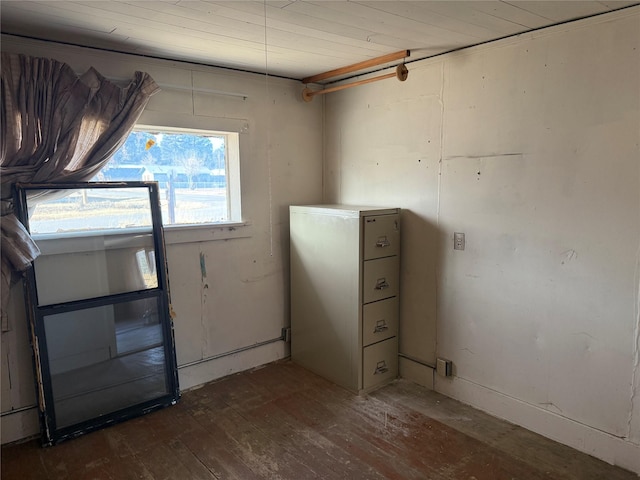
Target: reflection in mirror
x=87, y=210
x=104, y=359
x=99, y=240
x=94, y=266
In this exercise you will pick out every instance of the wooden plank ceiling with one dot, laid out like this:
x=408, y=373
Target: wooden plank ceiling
x=293, y=39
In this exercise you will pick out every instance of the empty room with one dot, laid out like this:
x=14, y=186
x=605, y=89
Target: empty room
x=294, y=239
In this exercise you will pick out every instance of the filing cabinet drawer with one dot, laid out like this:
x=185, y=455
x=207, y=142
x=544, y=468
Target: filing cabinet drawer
x=379, y=321
x=380, y=279
x=381, y=236
x=380, y=363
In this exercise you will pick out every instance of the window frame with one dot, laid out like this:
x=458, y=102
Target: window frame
x=238, y=226
x=232, y=168
x=51, y=432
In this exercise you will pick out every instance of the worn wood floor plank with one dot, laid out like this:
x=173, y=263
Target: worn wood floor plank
x=259, y=451
x=282, y=422
x=22, y=461
x=337, y=426
x=212, y=450
x=313, y=449
x=511, y=441
x=272, y=417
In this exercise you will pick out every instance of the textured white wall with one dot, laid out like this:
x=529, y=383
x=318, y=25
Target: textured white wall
x=243, y=298
x=530, y=146
x=382, y=147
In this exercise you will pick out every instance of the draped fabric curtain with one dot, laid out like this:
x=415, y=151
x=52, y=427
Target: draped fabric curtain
x=55, y=127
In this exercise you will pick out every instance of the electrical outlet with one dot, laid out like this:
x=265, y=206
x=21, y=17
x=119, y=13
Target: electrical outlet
x=444, y=367
x=458, y=241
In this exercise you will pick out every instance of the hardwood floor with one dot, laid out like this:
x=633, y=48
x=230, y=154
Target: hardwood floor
x=283, y=422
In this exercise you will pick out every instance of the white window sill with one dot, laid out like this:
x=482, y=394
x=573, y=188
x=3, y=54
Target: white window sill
x=91, y=241
x=175, y=234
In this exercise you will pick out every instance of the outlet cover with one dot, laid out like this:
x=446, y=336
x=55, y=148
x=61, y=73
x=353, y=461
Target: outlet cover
x=458, y=241
x=444, y=367
x=286, y=334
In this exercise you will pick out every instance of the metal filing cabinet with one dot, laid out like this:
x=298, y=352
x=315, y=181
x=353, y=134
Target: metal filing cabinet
x=344, y=293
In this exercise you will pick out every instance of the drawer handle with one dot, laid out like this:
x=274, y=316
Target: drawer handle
x=381, y=326
x=381, y=284
x=383, y=242
x=381, y=367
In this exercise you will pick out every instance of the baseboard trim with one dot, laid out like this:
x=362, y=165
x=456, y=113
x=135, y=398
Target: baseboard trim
x=416, y=372
x=201, y=373
x=20, y=425
x=611, y=449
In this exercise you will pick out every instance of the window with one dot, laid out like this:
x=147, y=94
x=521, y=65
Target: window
x=197, y=172
x=105, y=335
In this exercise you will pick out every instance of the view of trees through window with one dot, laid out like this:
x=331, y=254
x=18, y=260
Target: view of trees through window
x=190, y=168
x=190, y=155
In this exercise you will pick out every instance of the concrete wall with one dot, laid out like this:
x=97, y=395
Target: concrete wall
x=530, y=146
x=229, y=288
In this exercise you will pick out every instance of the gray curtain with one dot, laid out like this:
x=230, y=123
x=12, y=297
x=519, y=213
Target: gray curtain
x=55, y=127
